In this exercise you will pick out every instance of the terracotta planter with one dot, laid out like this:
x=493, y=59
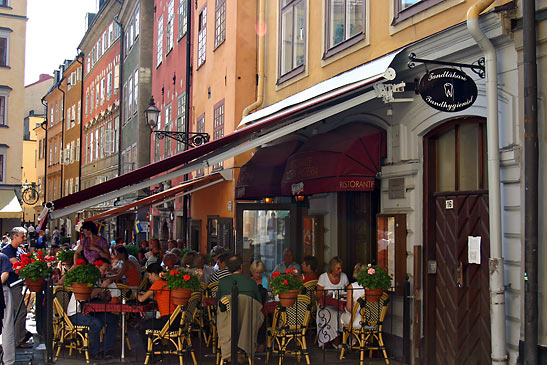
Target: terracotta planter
x=288, y=299
x=373, y=295
x=81, y=291
x=180, y=296
x=34, y=286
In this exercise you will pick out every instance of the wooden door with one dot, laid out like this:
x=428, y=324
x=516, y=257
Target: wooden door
x=195, y=234
x=462, y=312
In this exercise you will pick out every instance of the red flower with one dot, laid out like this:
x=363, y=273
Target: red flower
x=186, y=277
x=80, y=262
x=288, y=271
x=16, y=265
x=175, y=272
x=40, y=254
x=98, y=263
x=294, y=270
x=50, y=258
x=275, y=274
x=17, y=271
x=285, y=282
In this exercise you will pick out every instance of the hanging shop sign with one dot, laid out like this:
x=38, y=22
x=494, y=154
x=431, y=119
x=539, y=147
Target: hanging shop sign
x=448, y=89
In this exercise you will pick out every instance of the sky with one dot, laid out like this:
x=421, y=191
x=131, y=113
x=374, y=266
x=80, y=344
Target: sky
x=54, y=31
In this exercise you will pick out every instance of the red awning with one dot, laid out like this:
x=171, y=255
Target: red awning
x=345, y=159
x=169, y=194
x=261, y=176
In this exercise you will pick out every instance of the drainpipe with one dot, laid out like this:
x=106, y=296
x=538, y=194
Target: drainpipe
x=531, y=182
x=81, y=55
x=62, y=136
x=261, y=46
x=495, y=263
x=186, y=198
x=44, y=181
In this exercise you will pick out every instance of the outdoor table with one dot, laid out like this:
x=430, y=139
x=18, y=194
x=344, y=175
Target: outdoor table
x=121, y=308
x=268, y=308
x=339, y=303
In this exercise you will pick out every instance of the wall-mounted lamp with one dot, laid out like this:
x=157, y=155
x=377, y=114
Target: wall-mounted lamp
x=299, y=198
x=268, y=200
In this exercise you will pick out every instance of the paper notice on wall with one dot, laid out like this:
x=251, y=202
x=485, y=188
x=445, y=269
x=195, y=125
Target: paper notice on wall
x=474, y=249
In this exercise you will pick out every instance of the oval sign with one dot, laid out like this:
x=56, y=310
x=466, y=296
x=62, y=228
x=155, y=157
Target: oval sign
x=448, y=89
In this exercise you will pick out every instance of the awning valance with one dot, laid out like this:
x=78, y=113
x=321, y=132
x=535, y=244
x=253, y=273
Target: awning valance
x=345, y=159
x=261, y=176
x=9, y=205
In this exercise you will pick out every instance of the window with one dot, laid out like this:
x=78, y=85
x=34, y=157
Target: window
x=220, y=22
x=168, y=127
x=345, y=24
x=4, y=3
x=116, y=78
x=86, y=102
x=97, y=144
x=130, y=96
x=111, y=32
x=170, y=26
x=103, y=90
x=181, y=118
x=159, y=42
x=292, y=38
x=405, y=9
x=202, y=36
x=218, y=127
x=3, y=110
x=116, y=133
x=137, y=24
x=136, y=88
x=4, y=57
x=109, y=85
x=2, y=168
x=183, y=5
x=200, y=128
x=97, y=95
x=77, y=157
x=156, y=147
x=78, y=112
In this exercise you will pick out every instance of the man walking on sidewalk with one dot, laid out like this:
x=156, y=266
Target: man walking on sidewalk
x=11, y=251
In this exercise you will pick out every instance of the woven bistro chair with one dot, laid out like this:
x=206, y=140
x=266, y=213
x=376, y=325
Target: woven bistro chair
x=211, y=312
x=66, y=333
x=182, y=318
x=290, y=324
x=368, y=336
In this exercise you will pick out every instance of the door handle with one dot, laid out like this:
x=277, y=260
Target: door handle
x=459, y=272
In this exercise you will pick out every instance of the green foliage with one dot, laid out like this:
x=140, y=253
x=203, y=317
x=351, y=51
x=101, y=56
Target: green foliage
x=374, y=277
x=33, y=265
x=65, y=255
x=181, y=279
x=83, y=273
x=185, y=250
x=282, y=283
x=132, y=250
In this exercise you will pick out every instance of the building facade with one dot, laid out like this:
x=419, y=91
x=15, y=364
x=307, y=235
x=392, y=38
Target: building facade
x=12, y=61
x=101, y=122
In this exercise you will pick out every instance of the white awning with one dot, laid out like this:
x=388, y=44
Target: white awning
x=9, y=205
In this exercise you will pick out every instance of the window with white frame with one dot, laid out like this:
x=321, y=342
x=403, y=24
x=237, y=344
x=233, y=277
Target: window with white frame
x=87, y=102
x=136, y=89
x=292, y=38
x=220, y=22
x=4, y=47
x=78, y=112
x=168, y=127
x=202, y=36
x=109, y=85
x=159, y=42
x=3, y=110
x=218, y=127
x=111, y=32
x=405, y=9
x=183, y=22
x=66, y=186
x=97, y=94
x=181, y=118
x=103, y=90
x=137, y=24
x=169, y=29
x=97, y=143
x=345, y=24
x=4, y=3
x=130, y=96
x=116, y=134
x=2, y=168
x=116, y=78
x=77, y=157
x=99, y=47
x=71, y=186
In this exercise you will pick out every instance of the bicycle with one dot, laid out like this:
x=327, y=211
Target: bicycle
x=30, y=194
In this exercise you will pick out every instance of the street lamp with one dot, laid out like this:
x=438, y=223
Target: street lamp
x=190, y=139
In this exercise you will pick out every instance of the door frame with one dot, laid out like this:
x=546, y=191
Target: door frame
x=429, y=185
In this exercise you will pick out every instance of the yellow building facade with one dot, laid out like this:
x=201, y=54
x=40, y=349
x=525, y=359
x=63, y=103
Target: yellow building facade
x=12, y=61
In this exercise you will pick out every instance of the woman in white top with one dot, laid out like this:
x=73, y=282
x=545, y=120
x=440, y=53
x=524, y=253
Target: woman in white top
x=329, y=283
x=355, y=291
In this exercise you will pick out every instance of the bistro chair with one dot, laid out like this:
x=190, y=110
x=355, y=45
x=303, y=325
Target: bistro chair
x=183, y=316
x=210, y=295
x=367, y=336
x=290, y=324
x=66, y=333
x=310, y=288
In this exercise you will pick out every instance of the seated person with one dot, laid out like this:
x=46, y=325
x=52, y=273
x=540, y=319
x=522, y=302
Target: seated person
x=128, y=269
x=288, y=262
x=95, y=321
x=142, y=251
x=258, y=274
x=170, y=261
x=159, y=292
x=355, y=291
x=222, y=268
x=245, y=284
x=309, y=269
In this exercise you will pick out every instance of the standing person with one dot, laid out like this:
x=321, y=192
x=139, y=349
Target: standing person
x=31, y=232
x=56, y=236
x=18, y=235
x=92, y=245
x=8, y=328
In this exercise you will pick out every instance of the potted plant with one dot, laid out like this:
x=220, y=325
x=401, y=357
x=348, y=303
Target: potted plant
x=82, y=277
x=375, y=280
x=181, y=284
x=66, y=256
x=287, y=286
x=34, y=268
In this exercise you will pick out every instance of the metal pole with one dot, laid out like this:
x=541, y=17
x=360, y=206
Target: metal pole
x=530, y=185
x=49, y=321
x=234, y=305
